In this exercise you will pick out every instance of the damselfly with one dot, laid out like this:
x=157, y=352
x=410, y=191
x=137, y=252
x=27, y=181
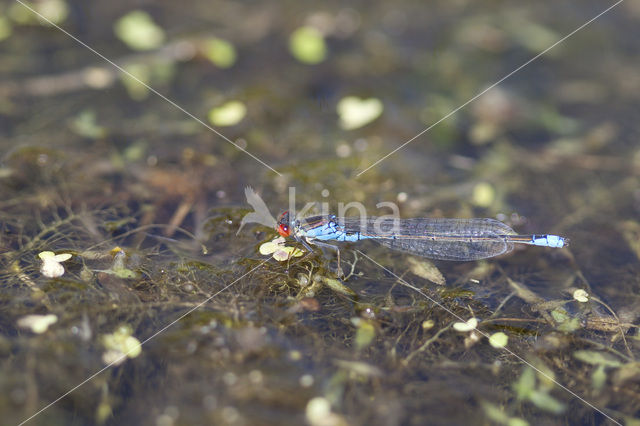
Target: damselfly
x=444, y=239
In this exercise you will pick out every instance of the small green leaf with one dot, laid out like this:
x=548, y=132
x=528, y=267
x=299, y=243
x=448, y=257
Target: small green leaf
x=599, y=378
x=483, y=195
x=559, y=315
x=307, y=45
x=526, y=383
x=136, y=79
x=220, y=52
x=365, y=333
x=546, y=402
x=495, y=413
x=498, y=340
x=463, y=327
x=581, y=296
x=355, y=112
x=85, y=125
x=570, y=326
x=37, y=323
x=124, y=273
x=138, y=31
x=428, y=324
x=53, y=11
x=228, y=114
x=338, y=287
x=120, y=344
x=597, y=358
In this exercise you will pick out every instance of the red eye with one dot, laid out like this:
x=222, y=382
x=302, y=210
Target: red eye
x=284, y=230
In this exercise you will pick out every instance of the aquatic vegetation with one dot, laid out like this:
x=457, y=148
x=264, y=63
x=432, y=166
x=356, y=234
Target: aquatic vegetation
x=125, y=238
x=467, y=326
x=51, y=266
x=498, y=340
x=355, y=112
x=228, y=114
x=307, y=45
x=220, y=52
x=120, y=345
x=37, y=323
x=138, y=30
x=279, y=250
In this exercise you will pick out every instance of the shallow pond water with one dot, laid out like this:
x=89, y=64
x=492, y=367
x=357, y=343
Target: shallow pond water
x=167, y=313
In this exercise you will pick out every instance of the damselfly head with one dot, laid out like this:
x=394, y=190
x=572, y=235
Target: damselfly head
x=284, y=227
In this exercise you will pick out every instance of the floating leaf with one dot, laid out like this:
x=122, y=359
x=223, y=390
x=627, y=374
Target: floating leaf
x=307, y=45
x=426, y=269
x=318, y=410
x=271, y=246
x=280, y=255
x=464, y=327
x=428, y=324
x=290, y=252
x=120, y=345
x=53, y=11
x=581, y=296
x=228, y=114
x=355, y=112
x=37, y=323
x=51, y=266
x=483, y=195
x=279, y=250
x=498, y=340
x=220, y=52
x=138, y=31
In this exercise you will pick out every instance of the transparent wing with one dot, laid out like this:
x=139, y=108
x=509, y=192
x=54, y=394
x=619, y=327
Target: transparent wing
x=444, y=239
